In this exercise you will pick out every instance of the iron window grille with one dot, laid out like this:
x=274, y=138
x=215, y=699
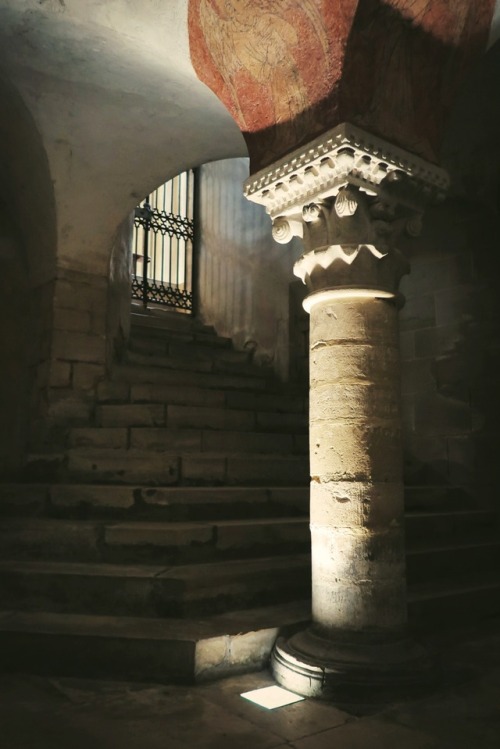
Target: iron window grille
x=162, y=268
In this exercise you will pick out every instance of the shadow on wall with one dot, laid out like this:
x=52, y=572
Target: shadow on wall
x=26, y=185
x=15, y=326
x=471, y=148
x=243, y=274
x=450, y=326
x=450, y=344
x=27, y=256
x=119, y=291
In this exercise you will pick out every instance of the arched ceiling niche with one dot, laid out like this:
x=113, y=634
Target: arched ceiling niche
x=119, y=109
x=26, y=185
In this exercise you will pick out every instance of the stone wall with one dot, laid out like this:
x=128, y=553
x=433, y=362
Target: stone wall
x=82, y=326
x=450, y=345
x=16, y=320
x=450, y=325
x=75, y=357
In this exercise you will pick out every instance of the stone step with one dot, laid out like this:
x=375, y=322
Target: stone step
x=188, y=440
x=208, y=340
x=235, y=419
x=223, y=502
x=220, y=349
x=95, y=587
x=433, y=605
x=167, y=503
x=131, y=415
x=179, y=542
x=90, y=465
x=150, y=649
x=168, y=322
x=427, y=526
x=182, y=395
x=198, y=417
x=120, y=466
x=222, y=364
x=153, y=590
x=282, y=402
x=77, y=587
x=192, y=395
x=48, y=538
x=143, y=374
x=156, y=541
x=162, y=649
x=202, y=335
x=439, y=498
x=24, y=500
x=186, y=651
x=165, y=340
x=447, y=561
x=218, y=441
x=205, y=540
x=112, y=437
x=205, y=350
x=203, y=341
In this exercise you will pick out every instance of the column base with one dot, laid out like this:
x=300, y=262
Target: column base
x=361, y=672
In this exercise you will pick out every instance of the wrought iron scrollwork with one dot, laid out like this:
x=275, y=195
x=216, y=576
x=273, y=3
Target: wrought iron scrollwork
x=163, y=245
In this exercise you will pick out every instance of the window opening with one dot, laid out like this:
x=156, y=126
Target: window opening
x=162, y=258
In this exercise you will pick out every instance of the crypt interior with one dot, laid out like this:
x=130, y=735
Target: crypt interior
x=280, y=457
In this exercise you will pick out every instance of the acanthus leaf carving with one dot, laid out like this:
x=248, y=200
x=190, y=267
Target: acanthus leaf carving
x=324, y=257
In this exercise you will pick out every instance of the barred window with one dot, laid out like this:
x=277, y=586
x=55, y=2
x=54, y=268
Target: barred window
x=163, y=245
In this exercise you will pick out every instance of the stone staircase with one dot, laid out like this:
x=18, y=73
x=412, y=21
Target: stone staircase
x=170, y=540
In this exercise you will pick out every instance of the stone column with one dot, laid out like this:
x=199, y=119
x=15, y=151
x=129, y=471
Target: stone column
x=349, y=196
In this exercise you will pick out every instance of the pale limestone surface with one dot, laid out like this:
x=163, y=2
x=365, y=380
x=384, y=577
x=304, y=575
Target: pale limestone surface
x=355, y=452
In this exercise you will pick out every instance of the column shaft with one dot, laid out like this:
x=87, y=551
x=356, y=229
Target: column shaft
x=358, y=567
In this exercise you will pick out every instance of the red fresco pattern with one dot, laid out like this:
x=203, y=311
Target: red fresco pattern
x=288, y=70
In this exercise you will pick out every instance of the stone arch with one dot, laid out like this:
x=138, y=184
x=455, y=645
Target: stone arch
x=27, y=256
x=26, y=186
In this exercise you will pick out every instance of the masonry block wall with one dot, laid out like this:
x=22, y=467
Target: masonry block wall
x=450, y=346
x=84, y=322
x=75, y=357
x=17, y=347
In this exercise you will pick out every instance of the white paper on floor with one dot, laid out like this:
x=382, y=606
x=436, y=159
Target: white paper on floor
x=271, y=697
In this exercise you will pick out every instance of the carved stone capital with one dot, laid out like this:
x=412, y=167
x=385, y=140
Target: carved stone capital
x=352, y=269
x=345, y=156
x=349, y=196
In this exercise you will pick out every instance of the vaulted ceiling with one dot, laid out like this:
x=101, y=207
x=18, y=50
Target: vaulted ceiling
x=105, y=99
x=114, y=102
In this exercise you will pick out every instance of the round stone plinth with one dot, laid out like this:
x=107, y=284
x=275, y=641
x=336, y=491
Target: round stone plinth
x=360, y=672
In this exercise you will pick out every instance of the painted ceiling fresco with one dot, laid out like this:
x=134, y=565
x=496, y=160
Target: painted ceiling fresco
x=288, y=70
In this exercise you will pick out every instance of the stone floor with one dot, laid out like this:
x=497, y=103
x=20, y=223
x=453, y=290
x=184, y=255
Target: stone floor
x=462, y=713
